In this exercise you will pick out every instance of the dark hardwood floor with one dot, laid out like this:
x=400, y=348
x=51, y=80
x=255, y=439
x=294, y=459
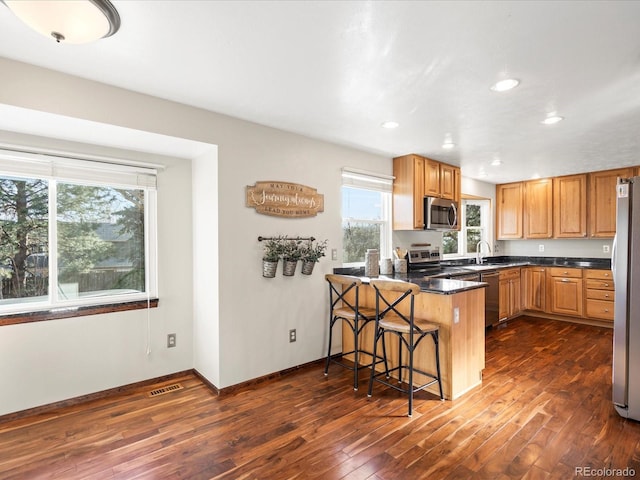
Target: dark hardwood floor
x=543, y=411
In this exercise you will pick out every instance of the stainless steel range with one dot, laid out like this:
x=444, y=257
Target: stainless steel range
x=426, y=261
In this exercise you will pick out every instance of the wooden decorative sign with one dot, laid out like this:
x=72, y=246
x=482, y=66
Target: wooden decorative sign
x=283, y=199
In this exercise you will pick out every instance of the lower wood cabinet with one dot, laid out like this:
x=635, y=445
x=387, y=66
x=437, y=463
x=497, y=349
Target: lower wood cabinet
x=599, y=293
x=510, y=294
x=534, y=288
x=565, y=294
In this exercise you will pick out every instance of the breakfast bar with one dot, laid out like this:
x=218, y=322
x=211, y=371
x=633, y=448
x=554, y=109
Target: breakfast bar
x=457, y=307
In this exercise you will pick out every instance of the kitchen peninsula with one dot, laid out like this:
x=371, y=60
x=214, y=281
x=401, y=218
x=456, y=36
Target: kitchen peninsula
x=458, y=308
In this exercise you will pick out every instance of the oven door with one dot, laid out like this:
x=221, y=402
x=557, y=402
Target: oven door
x=440, y=214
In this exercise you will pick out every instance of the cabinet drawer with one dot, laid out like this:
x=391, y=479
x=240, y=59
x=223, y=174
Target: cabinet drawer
x=600, y=309
x=565, y=272
x=509, y=273
x=600, y=284
x=601, y=274
x=594, y=294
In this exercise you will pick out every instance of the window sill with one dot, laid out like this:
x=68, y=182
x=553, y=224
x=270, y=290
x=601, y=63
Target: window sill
x=79, y=311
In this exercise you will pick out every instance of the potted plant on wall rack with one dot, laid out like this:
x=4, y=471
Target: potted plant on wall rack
x=311, y=254
x=291, y=253
x=272, y=251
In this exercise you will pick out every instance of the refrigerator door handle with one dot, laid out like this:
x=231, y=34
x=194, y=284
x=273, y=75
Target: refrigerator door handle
x=613, y=255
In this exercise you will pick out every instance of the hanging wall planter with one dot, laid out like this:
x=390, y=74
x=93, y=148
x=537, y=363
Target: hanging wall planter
x=271, y=256
x=311, y=254
x=269, y=268
x=289, y=267
x=307, y=267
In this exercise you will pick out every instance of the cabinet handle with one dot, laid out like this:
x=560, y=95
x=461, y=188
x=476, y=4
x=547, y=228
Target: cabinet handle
x=606, y=284
x=606, y=310
x=565, y=280
x=565, y=273
x=606, y=295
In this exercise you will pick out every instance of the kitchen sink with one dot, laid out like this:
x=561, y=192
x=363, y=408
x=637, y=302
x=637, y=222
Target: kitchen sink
x=479, y=268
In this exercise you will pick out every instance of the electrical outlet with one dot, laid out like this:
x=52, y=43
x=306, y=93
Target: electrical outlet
x=456, y=315
x=171, y=340
x=541, y=248
x=334, y=254
x=292, y=335
x=605, y=248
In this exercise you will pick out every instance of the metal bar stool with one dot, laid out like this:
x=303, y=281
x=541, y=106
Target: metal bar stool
x=392, y=297
x=355, y=317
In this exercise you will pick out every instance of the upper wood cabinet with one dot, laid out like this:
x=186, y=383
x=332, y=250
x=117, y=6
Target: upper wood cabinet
x=538, y=208
x=408, y=192
x=509, y=203
x=570, y=206
x=448, y=181
x=415, y=178
x=602, y=201
x=431, y=178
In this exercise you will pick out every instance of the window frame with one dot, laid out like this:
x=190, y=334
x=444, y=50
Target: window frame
x=97, y=172
x=485, y=227
x=383, y=184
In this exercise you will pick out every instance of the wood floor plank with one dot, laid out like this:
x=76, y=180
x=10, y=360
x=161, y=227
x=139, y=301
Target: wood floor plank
x=543, y=410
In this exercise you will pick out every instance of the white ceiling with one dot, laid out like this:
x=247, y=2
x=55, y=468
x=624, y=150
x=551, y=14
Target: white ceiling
x=335, y=70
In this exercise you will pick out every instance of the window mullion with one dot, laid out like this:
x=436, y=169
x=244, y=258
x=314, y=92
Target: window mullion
x=53, y=242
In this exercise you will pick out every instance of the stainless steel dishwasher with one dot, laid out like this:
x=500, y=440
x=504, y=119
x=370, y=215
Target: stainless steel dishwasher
x=492, y=297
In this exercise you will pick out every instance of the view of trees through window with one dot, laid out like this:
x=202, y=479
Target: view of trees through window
x=473, y=229
x=365, y=222
x=99, y=239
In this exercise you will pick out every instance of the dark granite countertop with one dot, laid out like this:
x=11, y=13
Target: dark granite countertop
x=441, y=286
x=446, y=286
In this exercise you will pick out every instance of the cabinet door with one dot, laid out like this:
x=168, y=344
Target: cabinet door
x=503, y=302
x=431, y=178
x=515, y=297
x=533, y=286
x=570, y=206
x=566, y=296
x=408, y=192
x=509, y=211
x=538, y=208
x=602, y=201
x=447, y=181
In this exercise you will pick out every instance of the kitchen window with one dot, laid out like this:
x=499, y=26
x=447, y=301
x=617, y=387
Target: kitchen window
x=474, y=221
x=366, y=214
x=74, y=233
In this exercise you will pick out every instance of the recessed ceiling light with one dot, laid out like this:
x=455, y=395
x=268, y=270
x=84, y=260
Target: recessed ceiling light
x=390, y=125
x=504, y=85
x=550, y=120
x=448, y=145
x=496, y=162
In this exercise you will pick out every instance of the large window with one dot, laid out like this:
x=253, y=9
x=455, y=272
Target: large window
x=366, y=215
x=474, y=229
x=74, y=232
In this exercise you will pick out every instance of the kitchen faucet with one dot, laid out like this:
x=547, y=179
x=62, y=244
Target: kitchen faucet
x=479, y=250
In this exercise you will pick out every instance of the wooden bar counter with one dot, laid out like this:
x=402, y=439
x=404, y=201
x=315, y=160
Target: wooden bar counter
x=458, y=308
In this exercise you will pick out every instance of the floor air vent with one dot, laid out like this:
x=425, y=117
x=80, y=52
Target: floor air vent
x=165, y=389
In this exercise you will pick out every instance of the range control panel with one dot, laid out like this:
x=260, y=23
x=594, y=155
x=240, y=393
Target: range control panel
x=424, y=255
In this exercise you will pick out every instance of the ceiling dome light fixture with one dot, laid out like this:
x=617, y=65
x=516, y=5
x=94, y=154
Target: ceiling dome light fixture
x=390, y=124
x=448, y=145
x=77, y=21
x=506, y=84
x=496, y=162
x=552, y=119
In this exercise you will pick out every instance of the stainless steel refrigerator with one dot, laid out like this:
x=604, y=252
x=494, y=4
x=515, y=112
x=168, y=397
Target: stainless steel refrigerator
x=625, y=263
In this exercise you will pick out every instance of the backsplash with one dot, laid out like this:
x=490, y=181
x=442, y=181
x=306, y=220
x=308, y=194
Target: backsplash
x=574, y=248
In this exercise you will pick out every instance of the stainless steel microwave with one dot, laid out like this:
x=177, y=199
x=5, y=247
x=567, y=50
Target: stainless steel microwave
x=440, y=214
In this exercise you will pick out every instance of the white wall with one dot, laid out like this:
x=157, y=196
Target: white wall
x=253, y=314
x=45, y=362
